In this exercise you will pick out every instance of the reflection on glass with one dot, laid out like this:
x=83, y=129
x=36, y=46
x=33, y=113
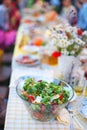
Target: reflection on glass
x=79, y=86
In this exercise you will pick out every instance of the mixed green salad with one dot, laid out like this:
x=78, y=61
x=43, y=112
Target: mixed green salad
x=42, y=92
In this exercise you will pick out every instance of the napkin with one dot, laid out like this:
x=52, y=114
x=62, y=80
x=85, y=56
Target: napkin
x=64, y=117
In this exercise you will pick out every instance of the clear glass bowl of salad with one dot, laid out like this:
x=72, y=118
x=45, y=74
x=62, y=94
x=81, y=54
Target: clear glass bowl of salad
x=43, y=99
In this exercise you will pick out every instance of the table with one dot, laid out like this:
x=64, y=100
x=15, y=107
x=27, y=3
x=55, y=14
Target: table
x=17, y=117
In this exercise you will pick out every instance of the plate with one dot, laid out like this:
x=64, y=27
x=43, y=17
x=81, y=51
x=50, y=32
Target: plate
x=27, y=60
x=83, y=108
x=31, y=49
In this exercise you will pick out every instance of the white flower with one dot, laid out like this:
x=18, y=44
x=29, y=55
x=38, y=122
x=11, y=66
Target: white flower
x=72, y=52
x=76, y=47
x=62, y=43
x=65, y=35
x=79, y=41
x=70, y=42
x=84, y=33
x=64, y=51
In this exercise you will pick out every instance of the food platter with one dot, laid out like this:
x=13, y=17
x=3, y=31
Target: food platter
x=27, y=60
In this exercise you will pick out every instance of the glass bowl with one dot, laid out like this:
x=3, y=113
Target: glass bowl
x=40, y=111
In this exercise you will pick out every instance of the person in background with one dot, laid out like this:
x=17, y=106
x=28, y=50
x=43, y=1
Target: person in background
x=7, y=34
x=82, y=16
x=79, y=4
x=14, y=19
x=22, y=4
x=74, y=2
x=68, y=11
x=55, y=2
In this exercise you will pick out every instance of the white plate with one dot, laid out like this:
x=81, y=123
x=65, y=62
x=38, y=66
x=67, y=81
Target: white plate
x=31, y=49
x=37, y=62
x=83, y=108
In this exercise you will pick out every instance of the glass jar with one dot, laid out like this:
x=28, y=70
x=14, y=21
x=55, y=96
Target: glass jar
x=46, y=56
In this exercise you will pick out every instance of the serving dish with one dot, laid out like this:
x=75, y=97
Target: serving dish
x=43, y=110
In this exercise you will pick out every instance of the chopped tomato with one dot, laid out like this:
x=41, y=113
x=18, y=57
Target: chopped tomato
x=61, y=96
x=31, y=98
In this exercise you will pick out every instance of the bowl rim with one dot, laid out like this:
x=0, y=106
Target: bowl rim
x=41, y=103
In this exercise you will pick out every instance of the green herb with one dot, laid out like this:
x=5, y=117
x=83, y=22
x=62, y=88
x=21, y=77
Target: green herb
x=47, y=91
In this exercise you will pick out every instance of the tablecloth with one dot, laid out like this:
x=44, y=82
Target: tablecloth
x=18, y=118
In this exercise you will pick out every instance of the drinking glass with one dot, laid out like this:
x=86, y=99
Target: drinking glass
x=46, y=58
x=79, y=86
